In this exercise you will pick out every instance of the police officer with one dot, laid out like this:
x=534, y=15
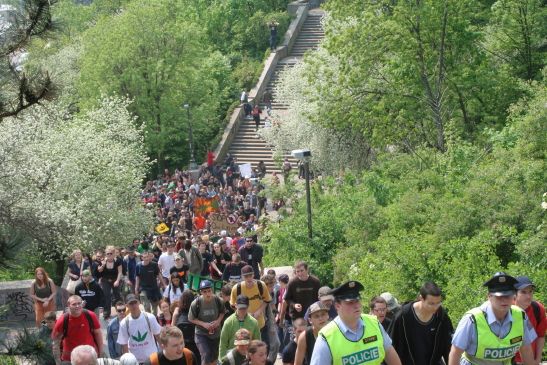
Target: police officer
x=352, y=338
x=495, y=331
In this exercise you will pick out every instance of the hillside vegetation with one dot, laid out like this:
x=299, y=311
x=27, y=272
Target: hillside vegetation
x=449, y=98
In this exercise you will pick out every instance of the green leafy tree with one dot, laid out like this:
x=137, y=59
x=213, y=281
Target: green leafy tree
x=153, y=55
x=454, y=217
x=407, y=73
x=516, y=36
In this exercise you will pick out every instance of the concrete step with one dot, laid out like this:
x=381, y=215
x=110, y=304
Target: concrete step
x=247, y=147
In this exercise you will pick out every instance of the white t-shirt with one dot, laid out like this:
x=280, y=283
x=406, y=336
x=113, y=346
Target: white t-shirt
x=166, y=262
x=174, y=294
x=140, y=341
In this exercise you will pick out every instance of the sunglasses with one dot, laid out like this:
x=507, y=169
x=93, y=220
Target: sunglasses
x=120, y=310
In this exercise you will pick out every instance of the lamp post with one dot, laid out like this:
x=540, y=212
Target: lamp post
x=193, y=164
x=305, y=156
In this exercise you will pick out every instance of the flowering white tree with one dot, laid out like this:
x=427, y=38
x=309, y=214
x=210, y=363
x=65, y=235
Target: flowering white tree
x=301, y=125
x=73, y=182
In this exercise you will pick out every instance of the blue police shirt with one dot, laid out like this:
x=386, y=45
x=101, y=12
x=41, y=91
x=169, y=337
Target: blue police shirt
x=321, y=352
x=465, y=336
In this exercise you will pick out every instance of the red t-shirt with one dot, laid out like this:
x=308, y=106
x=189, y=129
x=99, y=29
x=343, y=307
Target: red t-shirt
x=540, y=327
x=78, y=333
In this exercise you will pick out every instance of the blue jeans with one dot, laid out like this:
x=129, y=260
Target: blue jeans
x=288, y=333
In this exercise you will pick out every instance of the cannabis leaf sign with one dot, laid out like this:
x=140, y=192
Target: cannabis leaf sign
x=139, y=337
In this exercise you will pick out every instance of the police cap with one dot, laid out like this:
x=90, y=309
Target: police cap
x=347, y=291
x=501, y=284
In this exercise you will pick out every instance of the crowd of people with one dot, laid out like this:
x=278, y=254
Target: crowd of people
x=198, y=295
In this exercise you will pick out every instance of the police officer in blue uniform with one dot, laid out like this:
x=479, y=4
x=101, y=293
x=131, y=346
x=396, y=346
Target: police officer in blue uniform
x=493, y=333
x=352, y=338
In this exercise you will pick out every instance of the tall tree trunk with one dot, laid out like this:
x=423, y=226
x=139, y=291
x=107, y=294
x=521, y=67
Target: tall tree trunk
x=434, y=94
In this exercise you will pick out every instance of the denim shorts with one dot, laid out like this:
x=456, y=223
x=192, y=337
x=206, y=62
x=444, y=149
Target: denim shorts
x=208, y=348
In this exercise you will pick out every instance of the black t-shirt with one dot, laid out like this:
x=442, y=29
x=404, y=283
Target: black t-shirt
x=386, y=323
x=111, y=274
x=253, y=256
x=289, y=352
x=218, y=260
x=163, y=360
x=181, y=272
x=207, y=259
x=303, y=292
x=422, y=337
x=75, y=268
x=147, y=274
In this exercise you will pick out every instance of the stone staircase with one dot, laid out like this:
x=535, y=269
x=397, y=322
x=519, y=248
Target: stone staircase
x=247, y=147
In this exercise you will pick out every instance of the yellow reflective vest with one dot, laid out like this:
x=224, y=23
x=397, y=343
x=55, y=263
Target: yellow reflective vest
x=492, y=348
x=369, y=349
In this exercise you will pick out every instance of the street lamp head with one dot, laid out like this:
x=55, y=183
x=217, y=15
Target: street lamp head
x=301, y=154
x=186, y=106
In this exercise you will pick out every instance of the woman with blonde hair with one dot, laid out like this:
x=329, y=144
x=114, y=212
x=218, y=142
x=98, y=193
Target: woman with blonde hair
x=42, y=291
x=110, y=274
x=77, y=264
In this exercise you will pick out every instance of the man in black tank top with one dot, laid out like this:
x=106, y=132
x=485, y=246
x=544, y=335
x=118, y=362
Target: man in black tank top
x=319, y=317
x=289, y=352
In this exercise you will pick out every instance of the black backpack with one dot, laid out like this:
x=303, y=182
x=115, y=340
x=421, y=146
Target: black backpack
x=198, y=305
x=260, y=288
x=535, y=308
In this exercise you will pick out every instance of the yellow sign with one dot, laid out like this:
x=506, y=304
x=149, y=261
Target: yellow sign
x=162, y=228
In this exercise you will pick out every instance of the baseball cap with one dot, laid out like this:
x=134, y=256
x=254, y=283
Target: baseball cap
x=523, y=282
x=243, y=337
x=324, y=293
x=131, y=298
x=246, y=270
x=242, y=301
x=205, y=284
x=317, y=307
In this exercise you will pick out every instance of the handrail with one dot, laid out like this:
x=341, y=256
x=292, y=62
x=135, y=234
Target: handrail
x=282, y=51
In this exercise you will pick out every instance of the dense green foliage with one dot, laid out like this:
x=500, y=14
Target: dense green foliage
x=454, y=217
x=451, y=97
x=416, y=73
x=162, y=55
